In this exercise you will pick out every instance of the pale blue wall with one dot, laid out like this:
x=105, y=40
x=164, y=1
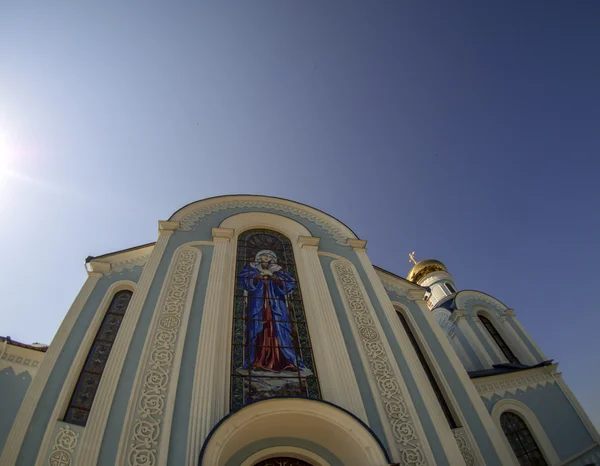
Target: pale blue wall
x=462, y=398
x=563, y=426
x=475, y=363
x=12, y=389
x=43, y=411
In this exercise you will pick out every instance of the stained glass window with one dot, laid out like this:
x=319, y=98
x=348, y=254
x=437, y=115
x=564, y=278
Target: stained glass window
x=433, y=382
x=282, y=462
x=271, y=354
x=521, y=441
x=499, y=340
x=89, y=379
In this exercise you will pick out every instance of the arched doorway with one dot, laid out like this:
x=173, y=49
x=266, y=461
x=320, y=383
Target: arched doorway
x=282, y=461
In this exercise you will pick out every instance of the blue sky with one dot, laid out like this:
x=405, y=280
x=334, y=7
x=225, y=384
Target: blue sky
x=466, y=132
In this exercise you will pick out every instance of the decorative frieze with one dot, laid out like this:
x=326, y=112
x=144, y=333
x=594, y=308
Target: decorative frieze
x=396, y=410
x=190, y=220
x=499, y=385
x=464, y=446
x=63, y=450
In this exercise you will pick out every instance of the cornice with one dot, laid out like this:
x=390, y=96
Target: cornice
x=513, y=381
x=405, y=289
x=124, y=261
x=466, y=299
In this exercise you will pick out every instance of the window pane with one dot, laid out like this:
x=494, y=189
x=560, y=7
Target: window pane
x=271, y=354
x=521, y=440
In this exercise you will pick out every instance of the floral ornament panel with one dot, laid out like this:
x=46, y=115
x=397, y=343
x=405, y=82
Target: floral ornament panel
x=272, y=354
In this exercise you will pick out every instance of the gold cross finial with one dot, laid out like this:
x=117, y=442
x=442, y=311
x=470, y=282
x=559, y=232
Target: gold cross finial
x=411, y=258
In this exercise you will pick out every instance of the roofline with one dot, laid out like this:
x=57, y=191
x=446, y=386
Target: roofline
x=398, y=276
x=264, y=195
x=10, y=341
x=91, y=258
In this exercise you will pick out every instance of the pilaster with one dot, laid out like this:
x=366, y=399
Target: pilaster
x=25, y=414
x=490, y=341
x=210, y=393
x=458, y=317
x=529, y=357
x=96, y=425
x=336, y=376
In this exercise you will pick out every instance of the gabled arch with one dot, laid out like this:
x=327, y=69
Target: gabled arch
x=192, y=213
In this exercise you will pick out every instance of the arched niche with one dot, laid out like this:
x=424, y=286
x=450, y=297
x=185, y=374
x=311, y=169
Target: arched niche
x=342, y=434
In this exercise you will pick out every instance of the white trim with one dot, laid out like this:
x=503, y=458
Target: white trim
x=510, y=314
x=510, y=382
x=21, y=423
x=154, y=389
x=387, y=385
x=94, y=432
x=502, y=359
x=320, y=423
x=66, y=392
x=578, y=455
x=533, y=424
x=440, y=423
x=285, y=451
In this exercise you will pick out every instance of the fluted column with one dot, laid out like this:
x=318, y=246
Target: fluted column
x=336, y=376
x=210, y=393
x=30, y=402
x=94, y=431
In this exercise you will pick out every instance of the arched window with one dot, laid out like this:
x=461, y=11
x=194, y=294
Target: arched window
x=499, y=340
x=521, y=441
x=434, y=384
x=450, y=288
x=271, y=354
x=89, y=379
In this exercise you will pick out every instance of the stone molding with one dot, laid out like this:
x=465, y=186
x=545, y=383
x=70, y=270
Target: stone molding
x=410, y=293
x=145, y=437
x=487, y=387
x=384, y=378
x=65, y=444
x=192, y=215
x=464, y=446
x=466, y=299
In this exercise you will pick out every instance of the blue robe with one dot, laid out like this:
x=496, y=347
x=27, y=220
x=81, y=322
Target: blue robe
x=256, y=303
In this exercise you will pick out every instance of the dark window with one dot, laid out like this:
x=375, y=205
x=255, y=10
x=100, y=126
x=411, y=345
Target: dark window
x=271, y=354
x=521, y=441
x=281, y=461
x=89, y=379
x=434, y=384
x=499, y=340
x=450, y=288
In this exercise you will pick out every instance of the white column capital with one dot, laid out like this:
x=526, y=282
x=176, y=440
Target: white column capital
x=415, y=295
x=357, y=244
x=457, y=314
x=167, y=227
x=510, y=312
x=222, y=235
x=308, y=242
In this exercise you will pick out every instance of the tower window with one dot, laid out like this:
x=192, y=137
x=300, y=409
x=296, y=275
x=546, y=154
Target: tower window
x=450, y=288
x=271, y=354
x=433, y=382
x=499, y=340
x=521, y=441
x=89, y=379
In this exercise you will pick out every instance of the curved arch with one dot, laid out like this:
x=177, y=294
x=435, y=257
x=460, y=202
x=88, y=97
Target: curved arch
x=190, y=214
x=533, y=424
x=291, y=452
x=320, y=422
x=466, y=298
x=249, y=220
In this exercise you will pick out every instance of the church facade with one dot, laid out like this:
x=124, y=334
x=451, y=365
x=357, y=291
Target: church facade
x=256, y=331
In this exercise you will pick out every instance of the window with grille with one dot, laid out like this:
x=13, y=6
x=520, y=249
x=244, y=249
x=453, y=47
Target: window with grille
x=521, y=441
x=432, y=380
x=89, y=379
x=272, y=353
x=499, y=340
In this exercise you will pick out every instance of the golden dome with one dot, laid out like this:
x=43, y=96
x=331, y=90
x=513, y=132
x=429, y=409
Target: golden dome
x=423, y=268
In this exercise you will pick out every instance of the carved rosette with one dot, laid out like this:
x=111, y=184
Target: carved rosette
x=189, y=221
x=396, y=409
x=64, y=447
x=463, y=446
x=146, y=430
